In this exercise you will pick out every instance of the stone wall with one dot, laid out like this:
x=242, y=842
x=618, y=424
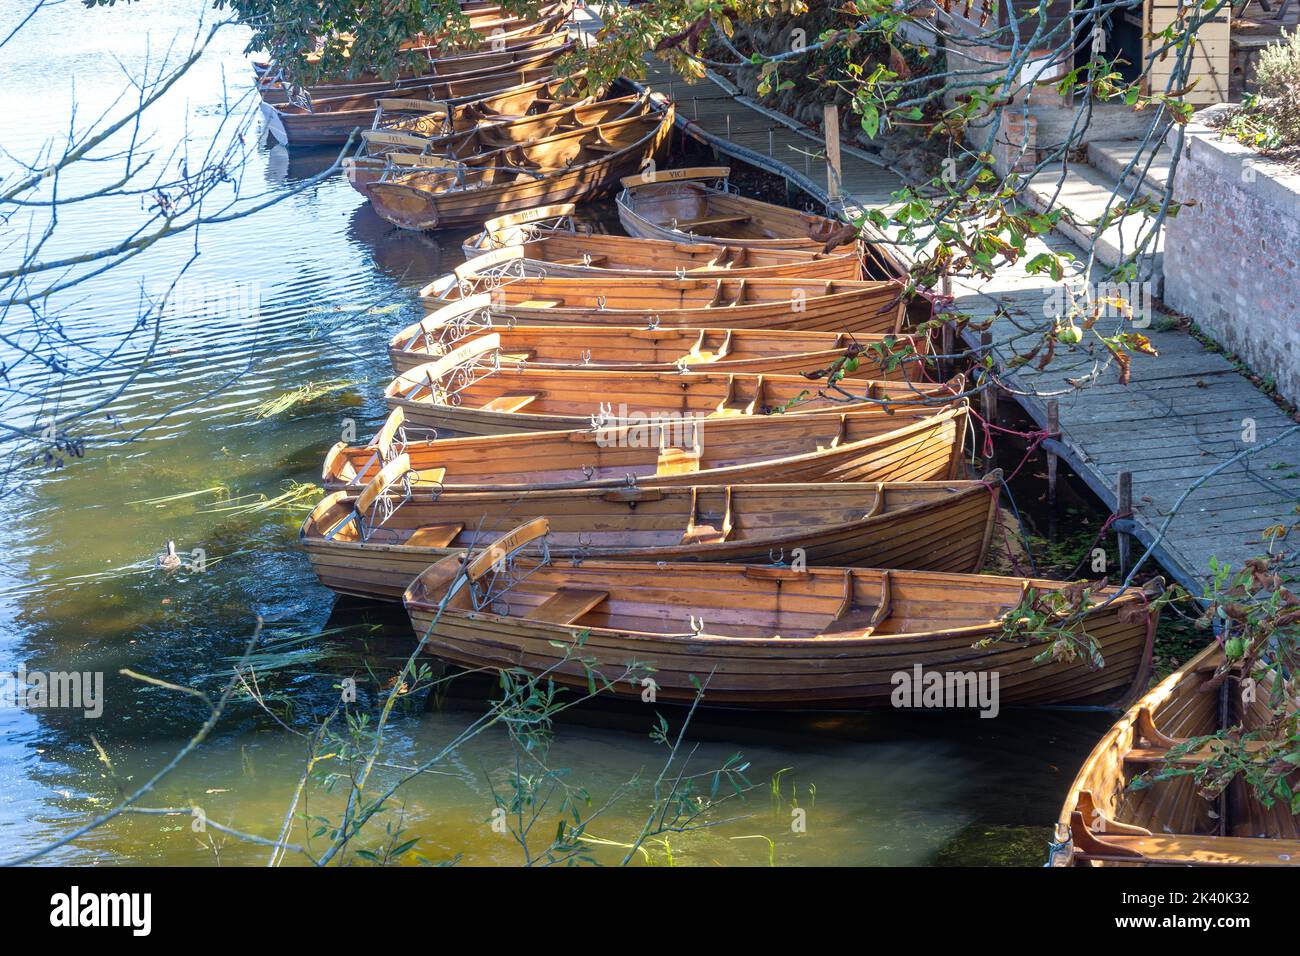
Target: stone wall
x=1232, y=262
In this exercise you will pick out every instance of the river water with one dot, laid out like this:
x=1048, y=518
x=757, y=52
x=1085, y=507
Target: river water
x=309, y=290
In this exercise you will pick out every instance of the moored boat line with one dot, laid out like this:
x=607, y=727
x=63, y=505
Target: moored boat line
x=728, y=384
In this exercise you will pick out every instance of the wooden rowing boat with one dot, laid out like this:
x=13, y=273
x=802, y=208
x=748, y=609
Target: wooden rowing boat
x=434, y=64
x=408, y=124
x=685, y=205
x=578, y=164
x=469, y=392
x=384, y=148
x=488, y=23
x=331, y=122
x=553, y=245
x=809, y=305
x=373, y=544
x=912, y=444
x=696, y=203
x=1105, y=822
x=621, y=349
x=487, y=137
x=754, y=636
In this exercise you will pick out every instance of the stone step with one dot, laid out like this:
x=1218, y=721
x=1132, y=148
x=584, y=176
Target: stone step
x=1084, y=193
x=1112, y=157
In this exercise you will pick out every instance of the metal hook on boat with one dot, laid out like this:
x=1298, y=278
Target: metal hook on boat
x=600, y=302
x=681, y=272
x=653, y=323
x=683, y=366
x=697, y=625
x=588, y=471
x=585, y=356
x=779, y=559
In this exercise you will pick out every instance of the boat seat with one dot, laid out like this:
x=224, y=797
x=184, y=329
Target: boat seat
x=602, y=147
x=704, y=534
x=713, y=221
x=541, y=303
x=677, y=461
x=1159, y=745
x=1159, y=755
x=566, y=605
x=715, y=532
x=511, y=402
x=434, y=535
x=1178, y=849
x=432, y=476
x=862, y=619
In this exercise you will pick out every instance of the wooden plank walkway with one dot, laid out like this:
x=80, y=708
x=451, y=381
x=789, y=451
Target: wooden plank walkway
x=1184, y=413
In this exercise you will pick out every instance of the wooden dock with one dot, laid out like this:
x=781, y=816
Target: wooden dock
x=1184, y=414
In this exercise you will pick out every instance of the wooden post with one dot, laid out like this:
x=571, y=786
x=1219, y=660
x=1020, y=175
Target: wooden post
x=1053, y=426
x=947, y=334
x=831, y=126
x=989, y=398
x=1125, y=504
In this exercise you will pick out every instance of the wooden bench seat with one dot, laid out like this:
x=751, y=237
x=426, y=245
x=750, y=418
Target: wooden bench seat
x=566, y=605
x=432, y=475
x=1159, y=755
x=677, y=461
x=434, y=535
x=541, y=303
x=862, y=620
x=510, y=402
x=1181, y=850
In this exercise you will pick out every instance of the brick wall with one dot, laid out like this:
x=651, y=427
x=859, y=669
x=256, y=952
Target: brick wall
x=1232, y=262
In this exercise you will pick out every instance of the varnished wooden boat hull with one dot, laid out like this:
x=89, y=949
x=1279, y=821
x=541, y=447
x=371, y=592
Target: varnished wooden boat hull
x=528, y=99
x=436, y=201
x=622, y=349
x=505, y=401
x=689, y=210
x=867, y=307
x=293, y=126
x=941, y=526
x=504, y=55
x=739, y=660
x=568, y=252
x=1105, y=822
x=910, y=445
x=687, y=206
